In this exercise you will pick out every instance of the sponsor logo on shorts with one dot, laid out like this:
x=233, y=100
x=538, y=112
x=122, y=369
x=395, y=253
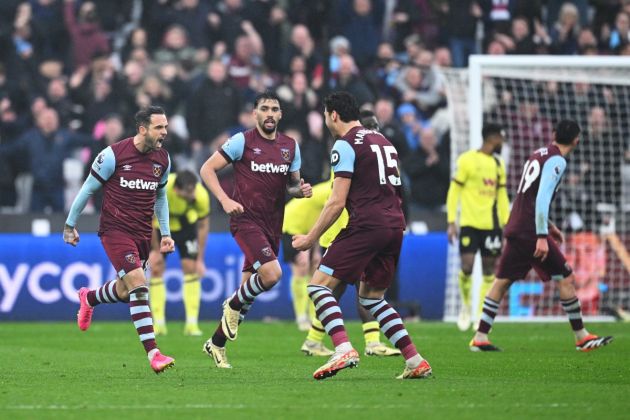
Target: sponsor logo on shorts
x=138, y=184
x=131, y=259
x=271, y=168
x=157, y=170
x=286, y=154
x=266, y=251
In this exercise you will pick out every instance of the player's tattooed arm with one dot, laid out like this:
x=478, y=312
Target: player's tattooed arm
x=296, y=187
x=332, y=209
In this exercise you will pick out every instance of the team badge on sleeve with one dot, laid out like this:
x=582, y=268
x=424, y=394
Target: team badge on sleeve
x=286, y=154
x=157, y=170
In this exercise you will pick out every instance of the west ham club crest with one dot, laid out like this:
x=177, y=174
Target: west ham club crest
x=286, y=154
x=157, y=170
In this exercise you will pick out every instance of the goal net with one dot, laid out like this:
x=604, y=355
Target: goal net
x=527, y=95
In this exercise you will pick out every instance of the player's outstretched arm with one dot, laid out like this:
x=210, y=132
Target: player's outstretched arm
x=208, y=173
x=90, y=186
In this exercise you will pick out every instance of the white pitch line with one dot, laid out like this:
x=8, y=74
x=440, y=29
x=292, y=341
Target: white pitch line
x=62, y=407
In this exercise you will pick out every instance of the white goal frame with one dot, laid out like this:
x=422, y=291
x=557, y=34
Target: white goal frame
x=513, y=66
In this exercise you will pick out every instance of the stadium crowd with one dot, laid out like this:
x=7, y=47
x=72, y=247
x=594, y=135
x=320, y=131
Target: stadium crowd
x=73, y=73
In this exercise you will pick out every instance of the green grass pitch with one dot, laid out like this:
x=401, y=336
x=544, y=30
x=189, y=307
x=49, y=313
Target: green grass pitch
x=52, y=370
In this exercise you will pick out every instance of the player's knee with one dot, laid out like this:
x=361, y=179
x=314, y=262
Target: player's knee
x=271, y=276
x=567, y=282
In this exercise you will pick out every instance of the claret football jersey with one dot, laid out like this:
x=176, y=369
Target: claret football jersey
x=371, y=161
x=261, y=172
x=130, y=180
x=541, y=175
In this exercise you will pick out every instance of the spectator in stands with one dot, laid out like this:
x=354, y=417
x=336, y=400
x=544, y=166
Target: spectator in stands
x=226, y=21
x=427, y=168
x=405, y=18
x=462, y=25
x=523, y=41
x=213, y=106
x=565, y=31
x=297, y=101
x=138, y=38
x=620, y=34
x=192, y=15
x=360, y=22
x=382, y=74
x=601, y=158
x=497, y=16
x=350, y=80
x=246, y=61
x=88, y=39
x=268, y=19
x=587, y=42
x=11, y=126
x=46, y=147
x=411, y=125
x=554, y=9
x=442, y=57
x=175, y=47
x=51, y=39
x=57, y=98
x=301, y=44
x=155, y=92
x=384, y=112
x=421, y=84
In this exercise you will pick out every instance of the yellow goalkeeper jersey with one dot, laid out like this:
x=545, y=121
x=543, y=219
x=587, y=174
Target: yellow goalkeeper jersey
x=181, y=212
x=479, y=187
x=300, y=214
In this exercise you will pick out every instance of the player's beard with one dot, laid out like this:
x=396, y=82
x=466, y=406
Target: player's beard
x=498, y=149
x=153, y=143
x=269, y=130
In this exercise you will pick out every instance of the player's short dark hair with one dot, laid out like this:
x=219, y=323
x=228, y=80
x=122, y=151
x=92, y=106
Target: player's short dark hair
x=185, y=179
x=369, y=120
x=143, y=117
x=566, y=131
x=268, y=95
x=491, y=129
x=344, y=103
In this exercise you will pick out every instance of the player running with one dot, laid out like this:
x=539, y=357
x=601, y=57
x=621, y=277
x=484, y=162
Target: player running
x=133, y=174
x=531, y=241
x=266, y=166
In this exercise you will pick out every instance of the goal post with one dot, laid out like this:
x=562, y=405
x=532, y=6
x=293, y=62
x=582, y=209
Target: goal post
x=527, y=95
